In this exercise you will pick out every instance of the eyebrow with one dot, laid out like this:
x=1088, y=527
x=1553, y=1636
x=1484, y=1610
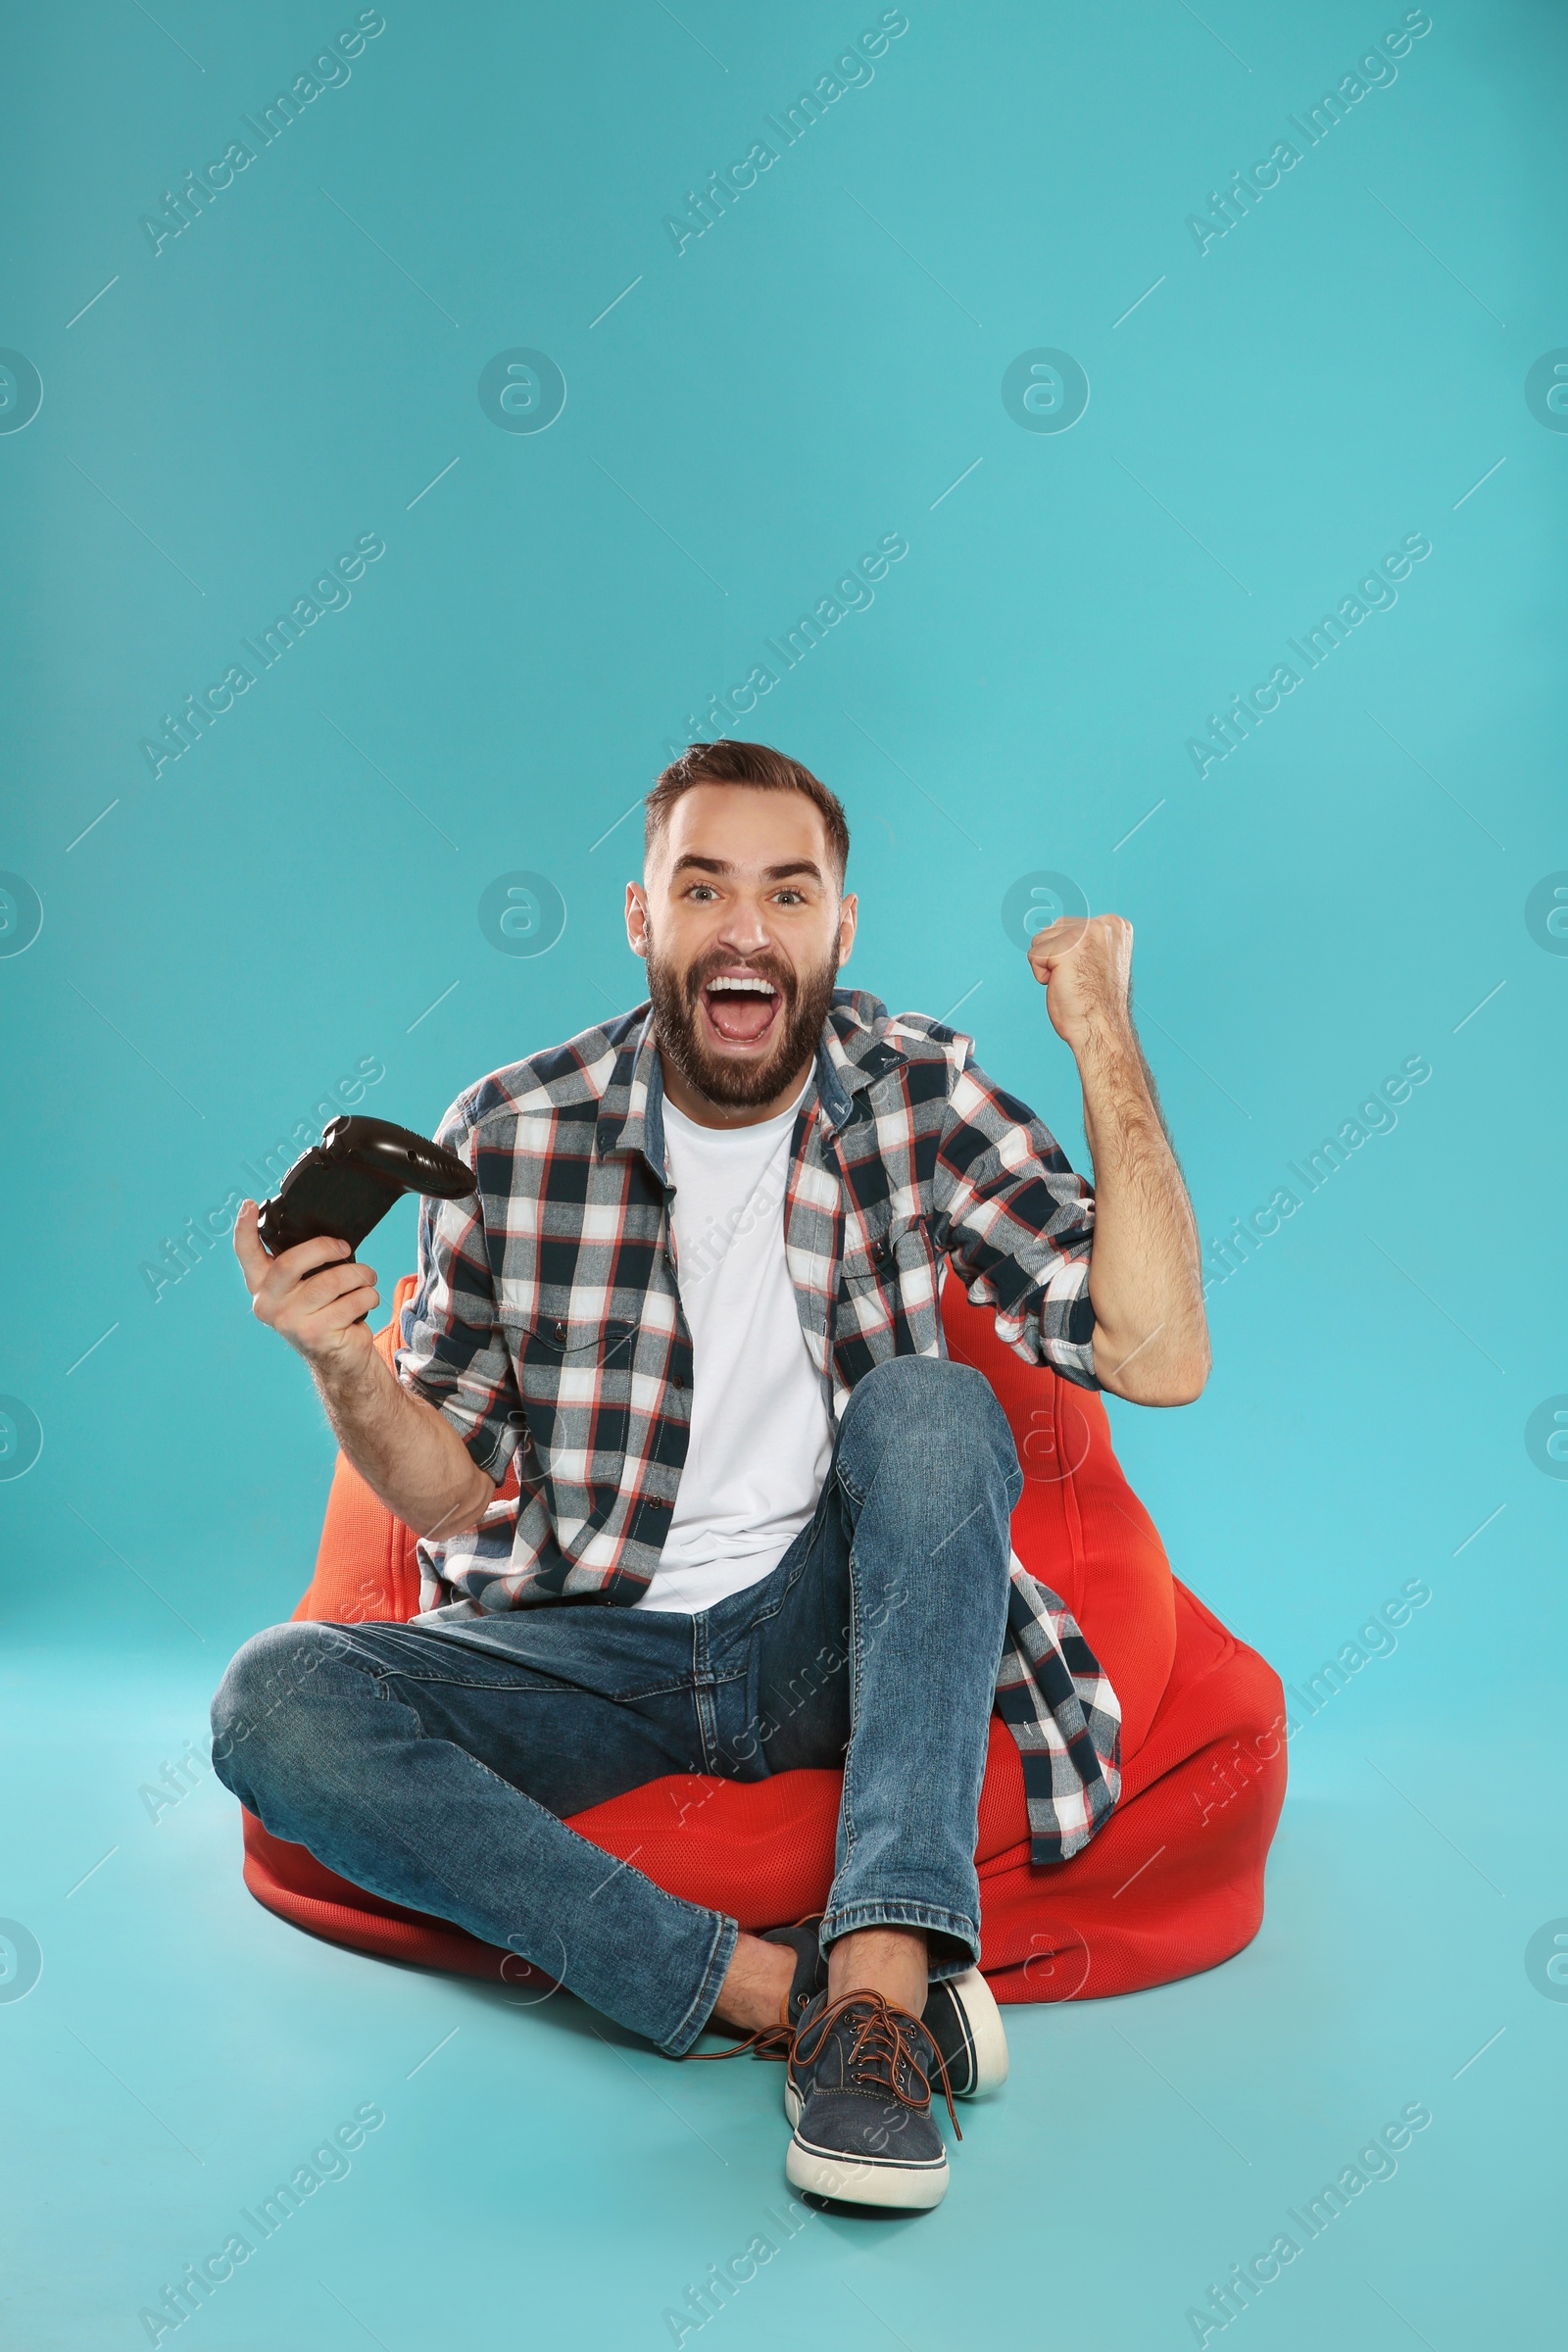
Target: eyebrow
x=721, y=865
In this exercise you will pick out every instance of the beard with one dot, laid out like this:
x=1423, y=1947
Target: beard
x=804, y=998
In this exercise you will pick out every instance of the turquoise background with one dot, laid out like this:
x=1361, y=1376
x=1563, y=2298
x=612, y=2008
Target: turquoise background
x=298, y=894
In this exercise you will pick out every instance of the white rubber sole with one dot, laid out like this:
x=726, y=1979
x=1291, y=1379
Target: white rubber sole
x=986, y=2033
x=906, y=2189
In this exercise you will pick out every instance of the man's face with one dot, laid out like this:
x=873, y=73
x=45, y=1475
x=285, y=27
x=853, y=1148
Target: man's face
x=740, y=920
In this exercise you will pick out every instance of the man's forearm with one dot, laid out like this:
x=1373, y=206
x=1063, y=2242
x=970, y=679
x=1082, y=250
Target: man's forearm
x=402, y=1447
x=1146, y=1285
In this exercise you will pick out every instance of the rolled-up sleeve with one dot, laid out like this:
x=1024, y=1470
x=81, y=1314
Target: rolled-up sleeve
x=453, y=1352
x=1017, y=1225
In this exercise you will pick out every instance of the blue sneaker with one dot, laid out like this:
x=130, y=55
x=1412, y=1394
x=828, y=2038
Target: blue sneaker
x=960, y=2015
x=810, y=1969
x=859, y=2081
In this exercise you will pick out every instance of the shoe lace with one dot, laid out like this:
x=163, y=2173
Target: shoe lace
x=768, y=2042
x=880, y=2045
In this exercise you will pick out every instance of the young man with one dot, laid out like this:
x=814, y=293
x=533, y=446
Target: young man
x=697, y=1304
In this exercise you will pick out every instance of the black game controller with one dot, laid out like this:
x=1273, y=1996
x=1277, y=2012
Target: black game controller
x=346, y=1184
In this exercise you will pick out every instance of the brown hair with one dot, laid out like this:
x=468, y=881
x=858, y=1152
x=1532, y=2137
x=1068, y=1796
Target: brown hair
x=757, y=764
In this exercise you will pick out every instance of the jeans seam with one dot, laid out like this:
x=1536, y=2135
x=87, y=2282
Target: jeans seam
x=457, y=1681
x=848, y=1483
x=773, y=1607
x=550, y=1688
x=726, y=1936
x=845, y=1807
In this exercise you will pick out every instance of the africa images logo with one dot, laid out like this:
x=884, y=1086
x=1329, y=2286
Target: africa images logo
x=21, y=391
x=522, y=390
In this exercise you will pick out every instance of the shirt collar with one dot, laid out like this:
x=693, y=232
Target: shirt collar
x=622, y=1124
x=854, y=1051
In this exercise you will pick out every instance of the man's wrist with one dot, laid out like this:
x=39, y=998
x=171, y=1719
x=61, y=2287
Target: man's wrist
x=346, y=1372
x=1105, y=1041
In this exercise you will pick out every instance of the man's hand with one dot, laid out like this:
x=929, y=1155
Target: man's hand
x=401, y=1446
x=318, y=1310
x=1085, y=964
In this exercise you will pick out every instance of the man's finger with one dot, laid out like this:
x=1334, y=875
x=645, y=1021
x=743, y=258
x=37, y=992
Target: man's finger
x=294, y=1266
x=279, y=1276
x=310, y=1324
x=1058, y=938
x=334, y=1281
x=255, y=1264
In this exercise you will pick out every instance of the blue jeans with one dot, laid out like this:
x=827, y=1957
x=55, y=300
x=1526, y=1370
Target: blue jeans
x=433, y=1764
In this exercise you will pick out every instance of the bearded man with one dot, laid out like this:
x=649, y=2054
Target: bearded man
x=760, y=1521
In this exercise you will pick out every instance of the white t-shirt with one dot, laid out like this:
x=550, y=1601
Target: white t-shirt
x=760, y=1440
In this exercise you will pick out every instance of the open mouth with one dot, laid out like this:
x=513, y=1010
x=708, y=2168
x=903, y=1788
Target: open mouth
x=741, y=1008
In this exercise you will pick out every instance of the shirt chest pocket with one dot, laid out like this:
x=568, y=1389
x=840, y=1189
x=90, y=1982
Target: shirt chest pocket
x=887, y=1287
x=574, y=1374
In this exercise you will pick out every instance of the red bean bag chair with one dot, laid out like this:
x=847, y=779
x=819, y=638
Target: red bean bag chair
x=1172, y=1883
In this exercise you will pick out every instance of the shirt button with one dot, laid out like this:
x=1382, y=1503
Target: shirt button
x=677, y=1380
x=879, y=1251
x=561, y=1334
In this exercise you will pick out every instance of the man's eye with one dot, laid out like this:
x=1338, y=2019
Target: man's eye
x=790, y=898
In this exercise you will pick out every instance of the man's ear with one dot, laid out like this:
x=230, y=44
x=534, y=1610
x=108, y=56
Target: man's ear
x=636, y=919
x=848, y=911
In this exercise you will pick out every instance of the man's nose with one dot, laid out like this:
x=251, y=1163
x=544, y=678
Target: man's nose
x=745, y=927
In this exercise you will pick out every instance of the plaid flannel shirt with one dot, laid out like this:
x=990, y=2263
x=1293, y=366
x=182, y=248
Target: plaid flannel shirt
x=547, y=1326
